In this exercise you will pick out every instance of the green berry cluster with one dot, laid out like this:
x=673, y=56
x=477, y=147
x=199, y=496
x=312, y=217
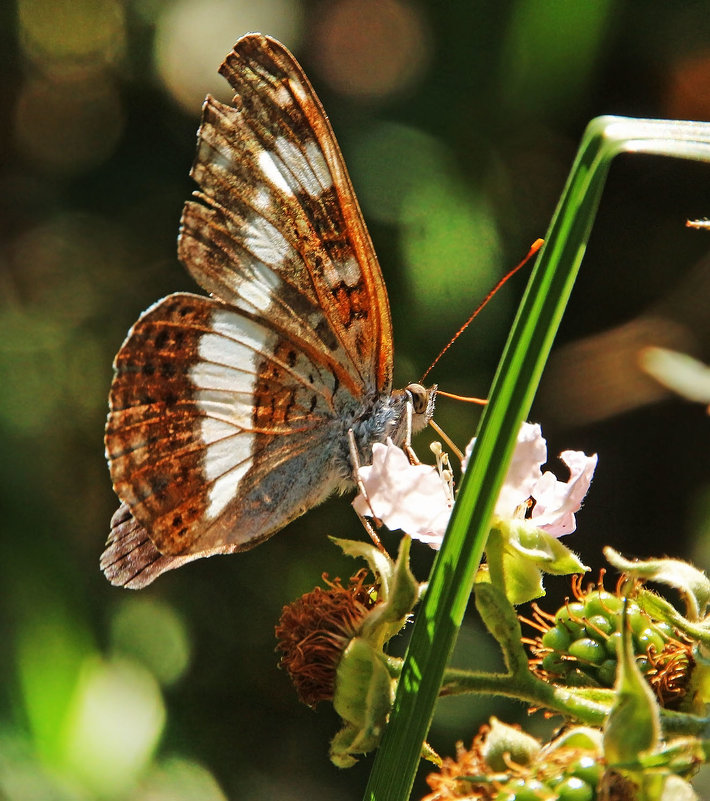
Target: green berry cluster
x=580, y=647
x=577, y=782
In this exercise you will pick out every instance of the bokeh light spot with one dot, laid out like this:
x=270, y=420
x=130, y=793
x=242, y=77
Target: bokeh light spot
x=68, y=125
x=50, y=648
x=179, y=780
x=114, y=725
x=371, y=48
x=53, y=285
x=27, y=406
x=551, y=54
x=688, y=92
x=194, y=36
x=62, y=266
x=389, y=161
x=152, y=633
x=450, y=245
x=61, y=34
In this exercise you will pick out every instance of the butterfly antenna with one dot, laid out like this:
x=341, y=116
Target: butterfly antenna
x=537, y=244
x=464, y=398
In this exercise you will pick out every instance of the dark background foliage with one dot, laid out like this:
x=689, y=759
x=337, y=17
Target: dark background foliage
x=459, y=121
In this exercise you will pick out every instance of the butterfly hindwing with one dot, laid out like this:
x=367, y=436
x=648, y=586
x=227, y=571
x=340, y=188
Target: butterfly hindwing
x=204, y=405
x=130, y=558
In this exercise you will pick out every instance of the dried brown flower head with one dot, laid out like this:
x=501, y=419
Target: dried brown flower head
x=447, y=784
x=314, y=630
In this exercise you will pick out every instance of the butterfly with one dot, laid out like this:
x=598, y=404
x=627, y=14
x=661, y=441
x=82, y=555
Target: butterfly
x=234, y=413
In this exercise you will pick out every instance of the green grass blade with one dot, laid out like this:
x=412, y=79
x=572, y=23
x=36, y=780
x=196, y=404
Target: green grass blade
x=439, y=618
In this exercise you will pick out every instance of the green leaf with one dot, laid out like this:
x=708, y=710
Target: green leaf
x=692, y=583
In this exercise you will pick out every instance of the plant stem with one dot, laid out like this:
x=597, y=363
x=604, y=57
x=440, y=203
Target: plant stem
x=528, y=688
x=514, y=387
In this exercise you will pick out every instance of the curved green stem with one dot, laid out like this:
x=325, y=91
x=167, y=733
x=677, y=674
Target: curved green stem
x=514, y=387
x=528, y=688
x=685, y=723
x=589, y=705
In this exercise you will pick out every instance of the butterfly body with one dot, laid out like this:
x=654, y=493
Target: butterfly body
x=233, y=414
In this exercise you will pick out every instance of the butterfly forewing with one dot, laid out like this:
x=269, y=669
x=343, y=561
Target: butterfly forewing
x=276, y=200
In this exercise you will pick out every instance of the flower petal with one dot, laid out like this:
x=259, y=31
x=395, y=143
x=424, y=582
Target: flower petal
x=409, y=497
x=524, y=471
x=414, y=498
x=557, y=501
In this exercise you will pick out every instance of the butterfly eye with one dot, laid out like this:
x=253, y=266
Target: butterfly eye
x=419, y=396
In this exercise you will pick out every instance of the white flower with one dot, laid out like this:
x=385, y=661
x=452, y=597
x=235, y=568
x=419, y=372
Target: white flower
x=411, y=497
x=555, y=502
x=414, y=498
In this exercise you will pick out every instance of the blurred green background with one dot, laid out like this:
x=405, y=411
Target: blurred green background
x=459, y=122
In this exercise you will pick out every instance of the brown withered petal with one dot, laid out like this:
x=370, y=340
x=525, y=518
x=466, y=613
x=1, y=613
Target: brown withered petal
x=447, y=784
x=314, y=630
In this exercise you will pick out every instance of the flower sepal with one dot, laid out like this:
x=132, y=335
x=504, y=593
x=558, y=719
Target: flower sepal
x=519, y=553
x=699, y=690
x=380, y=563
x=633, y=725
x=364, y=691
x=693, y=584
x=638, y=760
x=398, y=590
x=364, y=684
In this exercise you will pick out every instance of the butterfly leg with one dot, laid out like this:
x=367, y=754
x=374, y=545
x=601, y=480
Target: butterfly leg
x=355, y=461
x=407, y=446
x=371, y=533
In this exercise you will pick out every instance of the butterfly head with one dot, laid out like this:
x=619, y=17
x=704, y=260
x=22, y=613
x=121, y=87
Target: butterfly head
x=422, y=400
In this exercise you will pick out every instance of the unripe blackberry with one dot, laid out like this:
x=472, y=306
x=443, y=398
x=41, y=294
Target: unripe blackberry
x=567, y=769
x=578, y=645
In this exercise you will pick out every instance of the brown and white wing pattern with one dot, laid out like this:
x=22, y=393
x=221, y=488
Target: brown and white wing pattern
x=207, y=407
x=229, y=415
x=277, y=230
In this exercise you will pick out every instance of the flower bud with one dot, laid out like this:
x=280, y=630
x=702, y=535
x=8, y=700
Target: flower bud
x=364, y=691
